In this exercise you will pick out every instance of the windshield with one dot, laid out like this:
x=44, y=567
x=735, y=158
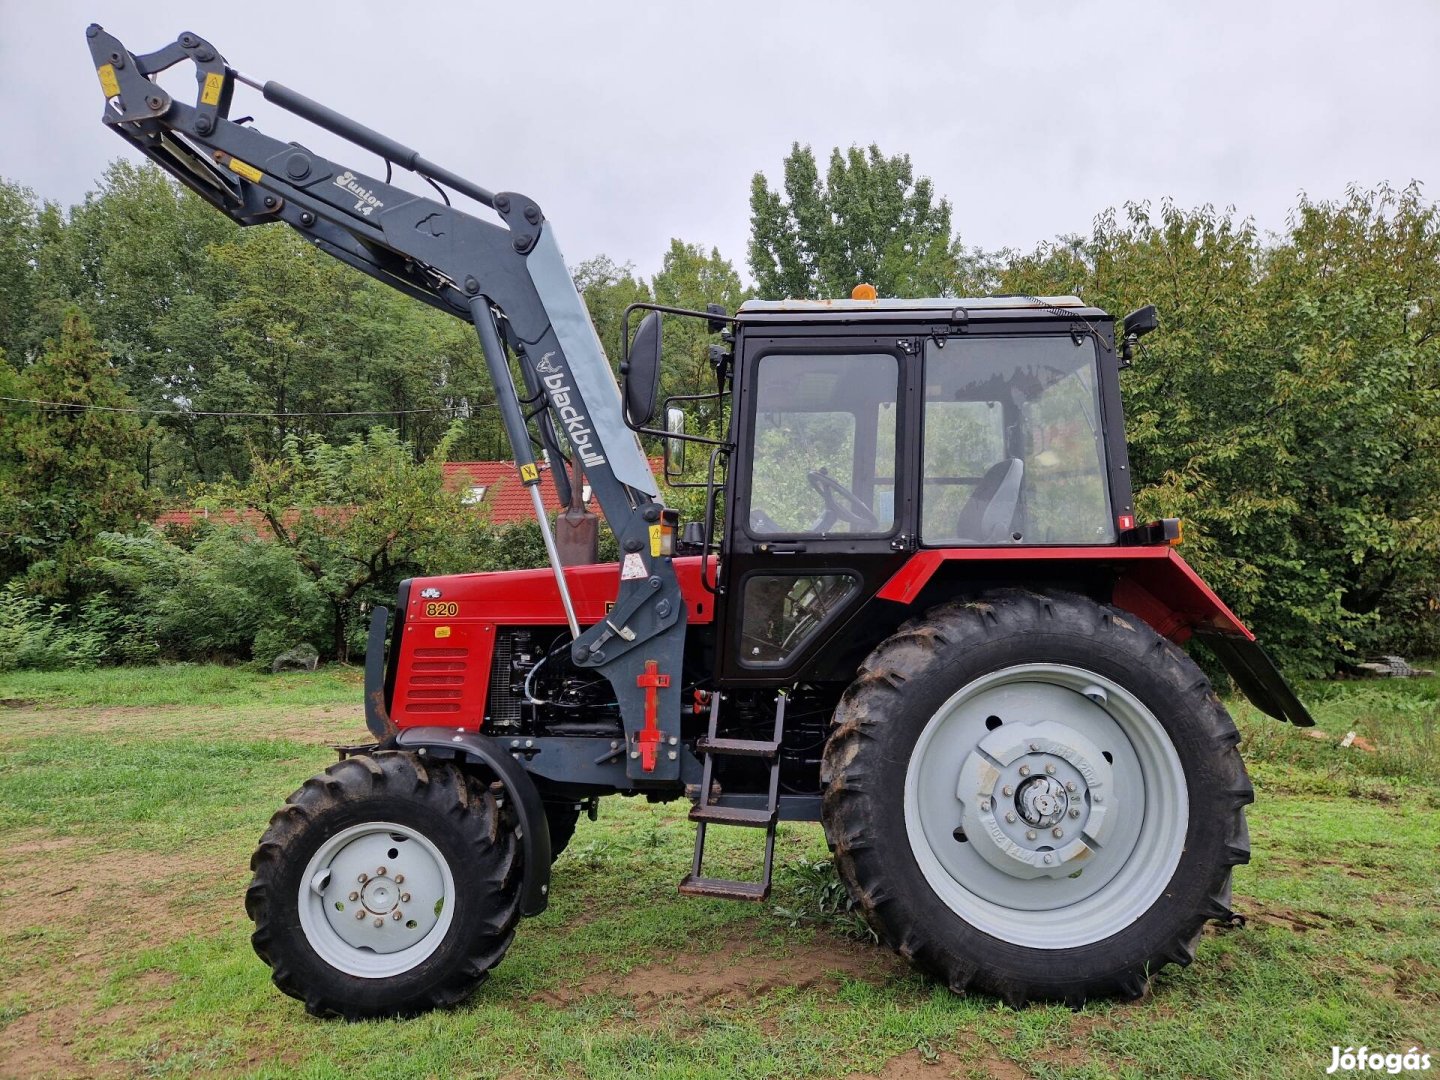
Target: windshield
x=825, y=445
x=1013, y=448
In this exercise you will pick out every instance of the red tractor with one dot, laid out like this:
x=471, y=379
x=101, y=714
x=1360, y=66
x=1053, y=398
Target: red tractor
x=918, y=609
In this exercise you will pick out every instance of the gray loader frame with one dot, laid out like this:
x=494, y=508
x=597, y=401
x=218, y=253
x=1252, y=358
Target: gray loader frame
x=509, y=280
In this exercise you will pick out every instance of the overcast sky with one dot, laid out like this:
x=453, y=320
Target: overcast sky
x=631, y=123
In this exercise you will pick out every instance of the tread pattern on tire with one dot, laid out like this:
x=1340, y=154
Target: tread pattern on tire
x=860, y=804
x=488, y=862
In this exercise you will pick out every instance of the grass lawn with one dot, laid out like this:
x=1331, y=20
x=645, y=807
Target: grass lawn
x=132, y=799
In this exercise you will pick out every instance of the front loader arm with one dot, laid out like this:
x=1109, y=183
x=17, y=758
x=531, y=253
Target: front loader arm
x=508, y=279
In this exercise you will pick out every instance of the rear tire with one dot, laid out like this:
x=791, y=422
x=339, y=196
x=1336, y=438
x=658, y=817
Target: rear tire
x=1037, y=796
x=386, y=886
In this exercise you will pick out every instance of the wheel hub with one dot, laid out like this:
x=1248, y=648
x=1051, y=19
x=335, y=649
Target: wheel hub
x=380, y=895
x=1042, y=801
x=374, y=896
x=1034, y=799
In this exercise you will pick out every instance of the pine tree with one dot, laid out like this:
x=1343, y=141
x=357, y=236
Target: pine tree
x=68, y=470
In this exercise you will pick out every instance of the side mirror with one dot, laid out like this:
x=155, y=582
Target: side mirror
x=1141, y=321
x=642, y=372
x=1138, y=323
x=675, y=448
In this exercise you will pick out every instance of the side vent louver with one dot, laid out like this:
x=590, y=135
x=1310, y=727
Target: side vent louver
x=437, y=677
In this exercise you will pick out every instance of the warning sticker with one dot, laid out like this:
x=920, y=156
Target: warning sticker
x=633, y=567
x=214, y=83
x=108, y=82
x=529, y=474
x=245, y=169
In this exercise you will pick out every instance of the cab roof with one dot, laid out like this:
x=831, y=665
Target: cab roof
x=943, y=307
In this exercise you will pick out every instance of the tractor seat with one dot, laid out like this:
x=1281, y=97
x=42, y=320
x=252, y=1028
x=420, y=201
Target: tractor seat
x=988, y=516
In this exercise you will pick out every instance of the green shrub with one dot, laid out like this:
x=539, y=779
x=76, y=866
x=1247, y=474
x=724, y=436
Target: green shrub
x=34, y=635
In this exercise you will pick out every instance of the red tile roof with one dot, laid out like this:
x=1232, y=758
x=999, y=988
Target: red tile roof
x=505, y=500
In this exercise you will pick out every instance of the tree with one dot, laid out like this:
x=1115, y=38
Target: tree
x=18, y=238
x=68, y=470
x=608, y=288
x=1288, y=409
x=871, y=220
x=356, y=517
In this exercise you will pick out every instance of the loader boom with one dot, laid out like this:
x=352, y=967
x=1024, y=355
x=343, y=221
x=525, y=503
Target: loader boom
x=508, y=279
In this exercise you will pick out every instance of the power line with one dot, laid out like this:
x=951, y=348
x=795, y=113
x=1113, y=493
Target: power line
x=77, y=406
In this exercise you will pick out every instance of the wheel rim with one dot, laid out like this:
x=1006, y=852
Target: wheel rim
x=376, y=899
x=1046, y=805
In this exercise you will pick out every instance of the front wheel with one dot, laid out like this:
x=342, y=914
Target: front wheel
x=386, y=886
x=1037, y=796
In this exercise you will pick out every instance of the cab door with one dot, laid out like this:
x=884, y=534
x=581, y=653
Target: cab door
x=820, y=508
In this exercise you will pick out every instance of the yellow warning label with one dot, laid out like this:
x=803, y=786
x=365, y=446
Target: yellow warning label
x=245, y=169
x=108, y=82
x=442, y=631
x=210, y=95
x=656, y=535
x=529, y=474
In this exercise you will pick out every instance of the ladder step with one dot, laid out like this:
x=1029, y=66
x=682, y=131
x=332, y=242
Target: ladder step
x=736, y=747
x=734, y=815
x=724, y=889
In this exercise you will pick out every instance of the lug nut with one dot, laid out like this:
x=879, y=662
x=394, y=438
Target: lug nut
x=359, y=914
x=1010, y=818
x=1074, y=813
x=404, y=896
x=1050, y=769
x=379, y=922
x=1048, y=859
x=1057, y=833
x=380, y=870
x=363, y=878
x=400, y=880
x=1024, y=770
x=397, y=914
x=1029, y=834
x=1070, y=785
x=354, y=896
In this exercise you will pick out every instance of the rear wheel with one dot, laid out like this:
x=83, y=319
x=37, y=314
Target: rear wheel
x=385, y=886
x=1037, y=796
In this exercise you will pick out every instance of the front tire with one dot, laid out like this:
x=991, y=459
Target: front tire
x=1037, y=796
x=386, y=886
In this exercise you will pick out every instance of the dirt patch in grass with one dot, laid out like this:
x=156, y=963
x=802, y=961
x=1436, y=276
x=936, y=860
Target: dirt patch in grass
x=318, y=724
x=109, y=904
x=736, y=970
x=912, y=1065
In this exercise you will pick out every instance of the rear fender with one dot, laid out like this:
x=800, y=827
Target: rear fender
x=1153, y=583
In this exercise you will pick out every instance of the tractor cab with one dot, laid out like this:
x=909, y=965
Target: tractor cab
x=865, y=431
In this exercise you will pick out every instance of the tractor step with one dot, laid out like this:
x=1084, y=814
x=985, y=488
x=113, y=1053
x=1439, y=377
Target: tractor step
x=724, y=889
x=736, y=747
x=734, y=815
x=706, y=813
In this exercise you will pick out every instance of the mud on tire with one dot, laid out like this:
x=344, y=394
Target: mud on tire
x=959, y=905
x=399, y=811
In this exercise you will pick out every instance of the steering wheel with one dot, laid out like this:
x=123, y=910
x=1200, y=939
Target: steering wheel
x=841, y=504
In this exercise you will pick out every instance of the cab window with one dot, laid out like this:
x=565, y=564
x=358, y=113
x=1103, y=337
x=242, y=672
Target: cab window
x=1013, y=446
x=824, y=456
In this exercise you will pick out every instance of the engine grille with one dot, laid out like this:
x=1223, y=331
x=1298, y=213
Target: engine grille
x=437, y=678
x=502, y=704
